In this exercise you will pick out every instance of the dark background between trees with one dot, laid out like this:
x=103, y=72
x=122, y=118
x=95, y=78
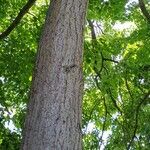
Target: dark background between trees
x=116, y=72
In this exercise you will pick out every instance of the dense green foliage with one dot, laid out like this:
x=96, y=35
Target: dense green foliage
x=116, y=103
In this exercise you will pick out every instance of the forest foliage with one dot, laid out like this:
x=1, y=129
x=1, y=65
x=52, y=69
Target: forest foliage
x=116, y=65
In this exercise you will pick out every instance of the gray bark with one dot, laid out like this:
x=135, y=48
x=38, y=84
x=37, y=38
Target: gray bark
x=53, y=119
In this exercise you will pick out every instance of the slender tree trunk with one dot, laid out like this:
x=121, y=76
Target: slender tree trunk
x=53, y=119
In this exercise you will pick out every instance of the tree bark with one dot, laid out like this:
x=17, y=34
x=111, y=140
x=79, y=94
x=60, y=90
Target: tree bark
x=53, y=119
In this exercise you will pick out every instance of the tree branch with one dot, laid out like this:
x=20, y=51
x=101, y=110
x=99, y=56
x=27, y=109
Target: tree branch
x=144, y=10
x=128, y=88
x=111, y=60
x=94, y=43
x=104, y=124
x=114, y=101
x=93, y=34
x=136, y=118
x=17, y=20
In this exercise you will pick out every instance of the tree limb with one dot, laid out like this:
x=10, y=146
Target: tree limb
x=93, y=34
x=136, y=118
x=17, y=20
x=111, y=60
x=144, y=10
x=104, y=124
x=114, y=101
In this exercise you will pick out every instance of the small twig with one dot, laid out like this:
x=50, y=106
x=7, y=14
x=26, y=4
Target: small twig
x=107, y=59
x=32, y=15
x=99, y=28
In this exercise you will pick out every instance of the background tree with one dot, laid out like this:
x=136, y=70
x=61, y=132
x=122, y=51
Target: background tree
x=116, y=73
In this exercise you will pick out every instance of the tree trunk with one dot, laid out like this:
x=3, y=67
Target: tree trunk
x=53, y=119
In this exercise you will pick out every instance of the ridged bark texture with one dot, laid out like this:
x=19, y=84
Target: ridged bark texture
x=53, y=119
